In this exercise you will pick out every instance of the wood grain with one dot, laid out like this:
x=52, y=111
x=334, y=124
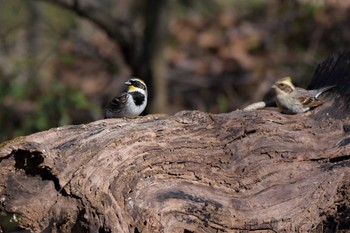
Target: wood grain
x=257, y=171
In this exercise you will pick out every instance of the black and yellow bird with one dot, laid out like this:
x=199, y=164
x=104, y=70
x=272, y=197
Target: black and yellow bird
x=130, y=103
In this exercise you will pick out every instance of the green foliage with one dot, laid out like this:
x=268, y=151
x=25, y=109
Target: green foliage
x=55, y=15
x=246, y=7
x=68, y=59
x=205, y=8
x=31, y=99
x=9, y=222
x=223, y=103
x=12, y=14
x=54, y=107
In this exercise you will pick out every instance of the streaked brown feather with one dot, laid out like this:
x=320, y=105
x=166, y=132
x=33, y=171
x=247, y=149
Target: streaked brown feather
x=309, y=101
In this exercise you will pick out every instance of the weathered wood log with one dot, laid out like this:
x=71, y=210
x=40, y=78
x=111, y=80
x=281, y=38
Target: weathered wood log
x=192, y=172
x=258, y=171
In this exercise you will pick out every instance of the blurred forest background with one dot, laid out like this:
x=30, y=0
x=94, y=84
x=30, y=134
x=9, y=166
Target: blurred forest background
x=62, y=60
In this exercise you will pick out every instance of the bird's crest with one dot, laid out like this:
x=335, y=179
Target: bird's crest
x=286, y=80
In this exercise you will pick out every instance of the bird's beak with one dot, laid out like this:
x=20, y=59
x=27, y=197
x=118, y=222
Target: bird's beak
x=128, y=83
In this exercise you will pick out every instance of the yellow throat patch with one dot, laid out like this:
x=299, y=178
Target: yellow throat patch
x=132, y=88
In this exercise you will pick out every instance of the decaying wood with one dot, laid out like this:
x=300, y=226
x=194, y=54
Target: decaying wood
x=244, y=171
x=192, y=172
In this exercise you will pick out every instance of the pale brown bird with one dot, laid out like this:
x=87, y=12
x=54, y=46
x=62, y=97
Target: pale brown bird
x=293, y=100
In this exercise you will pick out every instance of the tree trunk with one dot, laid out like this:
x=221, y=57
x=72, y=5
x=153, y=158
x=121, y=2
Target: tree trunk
x=255, y=171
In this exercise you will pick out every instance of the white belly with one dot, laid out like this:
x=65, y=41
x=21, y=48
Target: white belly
x=134, y=110
x=287, y=105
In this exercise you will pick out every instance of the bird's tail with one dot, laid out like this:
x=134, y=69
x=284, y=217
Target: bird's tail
x=322, y=90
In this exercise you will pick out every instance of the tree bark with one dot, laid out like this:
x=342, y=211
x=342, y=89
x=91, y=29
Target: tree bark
x=257, y=171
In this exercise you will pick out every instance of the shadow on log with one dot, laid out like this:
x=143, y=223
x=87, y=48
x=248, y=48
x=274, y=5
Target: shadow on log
x=258, y=171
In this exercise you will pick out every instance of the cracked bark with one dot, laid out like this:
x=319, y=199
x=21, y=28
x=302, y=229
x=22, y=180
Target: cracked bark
x=258, y=171
x=192, y=172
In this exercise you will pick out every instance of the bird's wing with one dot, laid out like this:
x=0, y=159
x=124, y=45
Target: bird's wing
x=307, y=97
x=309, y=101
x=118, y=102
x=116, y=107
